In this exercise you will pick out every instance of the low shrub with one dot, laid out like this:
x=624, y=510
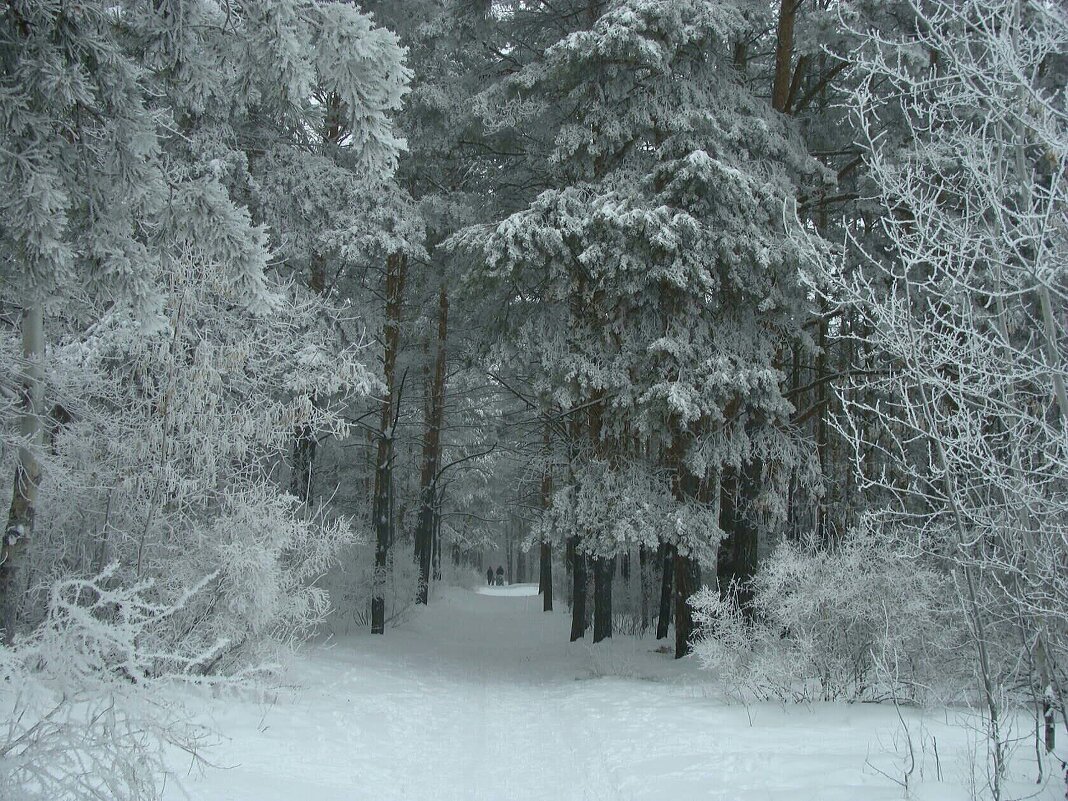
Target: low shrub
x=80, y=696
x=863, y=621
x=350, y=585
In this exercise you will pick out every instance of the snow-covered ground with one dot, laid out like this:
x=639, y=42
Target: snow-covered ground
x=481, y=698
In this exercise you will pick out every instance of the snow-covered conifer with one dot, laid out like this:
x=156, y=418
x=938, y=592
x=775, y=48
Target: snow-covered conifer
x=659, y=249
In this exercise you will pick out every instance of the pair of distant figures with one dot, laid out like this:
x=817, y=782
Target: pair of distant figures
x=499, y=576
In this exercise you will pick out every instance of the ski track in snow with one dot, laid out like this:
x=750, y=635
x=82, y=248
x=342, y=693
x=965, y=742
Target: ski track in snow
x=482, y=698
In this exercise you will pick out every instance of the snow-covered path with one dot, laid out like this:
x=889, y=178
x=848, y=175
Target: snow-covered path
x=482, y=698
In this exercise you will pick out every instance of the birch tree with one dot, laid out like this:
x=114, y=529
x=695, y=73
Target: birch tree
x=962, y=312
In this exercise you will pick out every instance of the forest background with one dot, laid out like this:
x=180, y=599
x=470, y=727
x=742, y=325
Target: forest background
x=738, y=323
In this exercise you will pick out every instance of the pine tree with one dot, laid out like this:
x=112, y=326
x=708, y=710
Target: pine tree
x=662, y=237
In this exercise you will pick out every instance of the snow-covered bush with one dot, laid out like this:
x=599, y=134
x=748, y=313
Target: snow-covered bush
x=956, y=297
x=462, y=575
x=168, y=359
x=350, y=585
x=79, y=696
x=861, y=621
x=164, y=463
x=164, y=458
x=170, y=356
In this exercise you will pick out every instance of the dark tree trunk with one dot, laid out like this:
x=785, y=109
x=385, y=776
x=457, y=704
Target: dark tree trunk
x=739, y=551
x=599, y=578
x=20, y=520
x=823, y=530
x=569, y=571
x=746, y=535
x=644, y=578
x=578, y=591
x=725, y=562
x=424, y=538
x=687, y=580
x=383, y=525
x=545, y=577
x=604, y=569
x=741, y=56
x=305, y=442
x=396, y=268
x=588, y=608
x=436, y=544
x=435, y=414
x=579, y=619
x=305, y=445
x=666, y=558
x=784, y=48
x=545, y=573
x=686, y=488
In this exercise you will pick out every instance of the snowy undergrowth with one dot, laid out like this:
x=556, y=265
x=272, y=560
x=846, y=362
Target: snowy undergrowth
x=80, y=695
x=349, y=584
x=860, y=622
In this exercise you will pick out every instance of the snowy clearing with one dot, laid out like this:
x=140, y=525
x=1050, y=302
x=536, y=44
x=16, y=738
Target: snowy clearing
x=511, y=591
x=482, y=697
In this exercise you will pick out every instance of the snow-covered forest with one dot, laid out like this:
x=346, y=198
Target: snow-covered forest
x=726, y=339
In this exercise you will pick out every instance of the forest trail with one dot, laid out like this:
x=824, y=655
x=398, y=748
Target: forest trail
x=480, y=697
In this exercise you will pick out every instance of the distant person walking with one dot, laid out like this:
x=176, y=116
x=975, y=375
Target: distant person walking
x=500, y=576
x=489, y=576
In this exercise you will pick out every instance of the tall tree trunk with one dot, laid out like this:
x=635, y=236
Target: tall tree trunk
x=578, y=591
x=588, y=608
x=396, y=269
x=746, y=535
x=569, y=571
x=383, y=525
x=687, y=581
x=23, y=510
x=435, y=558
x=604, y=565
x=545, y=577
x=305, y=445
x=685, y=487
x=305, y=442
x=545, y=573
x=644, y=578
x=784, y=49
x=435, y=414
x=666, y=558
x=725, y=561
x=604, y=569
x=740, y=550
x=508, y=574
x=823, y=528
x=579, y=618
x=741, y=56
